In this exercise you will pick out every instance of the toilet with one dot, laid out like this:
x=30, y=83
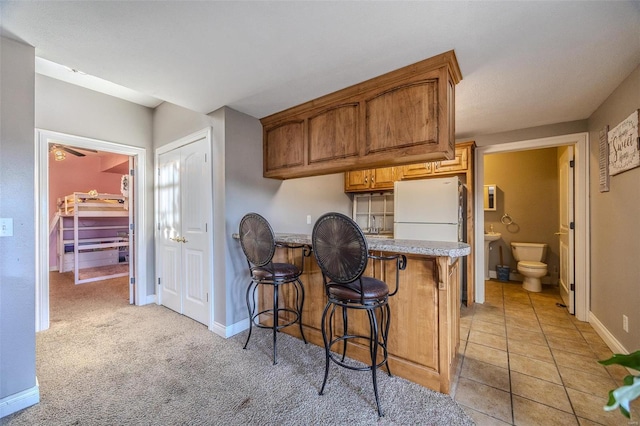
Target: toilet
x=529, y=257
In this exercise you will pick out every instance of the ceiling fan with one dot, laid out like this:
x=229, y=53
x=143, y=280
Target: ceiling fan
x=59, y=151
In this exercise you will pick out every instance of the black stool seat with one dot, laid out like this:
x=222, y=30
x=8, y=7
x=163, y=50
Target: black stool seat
x=279, y=271
x=341, y=252
x=372, y=291
x=259, y=246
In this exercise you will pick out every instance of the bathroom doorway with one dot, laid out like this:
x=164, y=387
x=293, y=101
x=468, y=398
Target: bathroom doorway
x=580, y=185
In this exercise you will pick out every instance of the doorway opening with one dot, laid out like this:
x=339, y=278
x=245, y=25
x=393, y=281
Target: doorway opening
x=137, y=274
x=581, y=214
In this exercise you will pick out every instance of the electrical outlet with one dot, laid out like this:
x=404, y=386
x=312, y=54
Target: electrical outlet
x=625, y=323
x=308, y=219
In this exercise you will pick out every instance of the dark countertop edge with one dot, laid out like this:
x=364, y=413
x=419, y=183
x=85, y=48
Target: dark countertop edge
x=420, y=247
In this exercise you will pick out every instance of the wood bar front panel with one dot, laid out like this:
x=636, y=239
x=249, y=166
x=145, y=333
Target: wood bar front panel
x=423, y=337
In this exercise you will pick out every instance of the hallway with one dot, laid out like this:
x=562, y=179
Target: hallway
x=526, y=361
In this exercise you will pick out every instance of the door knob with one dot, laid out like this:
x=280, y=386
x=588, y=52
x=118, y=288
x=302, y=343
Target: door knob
x=176, y=239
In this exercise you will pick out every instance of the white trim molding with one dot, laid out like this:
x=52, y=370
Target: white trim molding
x=42, y=140
x=231, y=330
x=19, y=401
x=605, y=334
x=580, y=141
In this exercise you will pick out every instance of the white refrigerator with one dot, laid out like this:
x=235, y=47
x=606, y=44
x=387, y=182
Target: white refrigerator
x=430, y=209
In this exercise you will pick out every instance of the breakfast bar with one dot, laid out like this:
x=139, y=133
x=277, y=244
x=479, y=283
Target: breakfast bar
x=425, y=313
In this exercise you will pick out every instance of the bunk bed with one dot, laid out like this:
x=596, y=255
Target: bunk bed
x=93, y=233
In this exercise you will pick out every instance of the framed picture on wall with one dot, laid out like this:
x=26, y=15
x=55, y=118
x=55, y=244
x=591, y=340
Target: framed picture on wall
x=624, y=152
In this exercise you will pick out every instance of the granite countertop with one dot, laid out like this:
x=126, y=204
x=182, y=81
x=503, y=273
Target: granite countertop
x=426, y=248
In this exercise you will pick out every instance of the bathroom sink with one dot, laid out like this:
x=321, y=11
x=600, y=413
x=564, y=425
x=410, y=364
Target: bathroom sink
x=489, y=237
x=492, y=236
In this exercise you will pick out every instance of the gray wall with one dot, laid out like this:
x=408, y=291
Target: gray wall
x=615, y=226
x=285, y=204
x=70, y=109
x=17, y=263
x=527, y=184
x=239, y=188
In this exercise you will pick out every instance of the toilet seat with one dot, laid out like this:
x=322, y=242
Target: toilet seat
x=529, y=264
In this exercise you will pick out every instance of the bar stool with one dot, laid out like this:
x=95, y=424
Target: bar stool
x=258, y=244
x=341, y=251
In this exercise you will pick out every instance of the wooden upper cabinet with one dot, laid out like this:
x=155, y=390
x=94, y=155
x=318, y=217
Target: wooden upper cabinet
x=402, y=117
x=383, y=178
x=378, y=179
x=459, y=163
x=357, y=180
x=333, y=133
x=416, y=171
x=283, y=146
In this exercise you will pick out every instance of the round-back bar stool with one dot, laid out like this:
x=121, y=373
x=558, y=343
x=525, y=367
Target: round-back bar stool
x=341, y=251
x=259, y=246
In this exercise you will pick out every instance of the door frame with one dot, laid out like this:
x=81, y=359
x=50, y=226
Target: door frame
x=206, y=133
x=581, y=213
x=42, y=140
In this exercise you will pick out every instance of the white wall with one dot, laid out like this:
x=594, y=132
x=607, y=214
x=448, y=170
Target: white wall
x=17, y=262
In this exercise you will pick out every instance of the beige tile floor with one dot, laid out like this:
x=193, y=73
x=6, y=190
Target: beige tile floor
x=526, y=361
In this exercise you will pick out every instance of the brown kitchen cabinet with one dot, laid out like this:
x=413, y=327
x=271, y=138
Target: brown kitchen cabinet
x=402, y=117
x=370, y=179
x=459, y=164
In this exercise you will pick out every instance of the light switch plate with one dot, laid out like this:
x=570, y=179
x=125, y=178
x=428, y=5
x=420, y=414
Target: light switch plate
x=6, y=227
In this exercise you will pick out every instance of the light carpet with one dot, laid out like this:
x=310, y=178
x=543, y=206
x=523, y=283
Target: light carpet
x=105, y=362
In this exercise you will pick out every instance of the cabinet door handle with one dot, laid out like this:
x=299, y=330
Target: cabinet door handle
x=366, y=179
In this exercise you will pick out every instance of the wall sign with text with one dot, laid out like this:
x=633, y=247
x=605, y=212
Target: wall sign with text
x=624, y=152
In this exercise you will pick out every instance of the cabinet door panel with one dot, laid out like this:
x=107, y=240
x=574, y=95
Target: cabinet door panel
x=417, y=170
x=357, y=180
x=333, y=134
x=459, y=163
x=383, y=178
x=404, y=116
x=284, y=145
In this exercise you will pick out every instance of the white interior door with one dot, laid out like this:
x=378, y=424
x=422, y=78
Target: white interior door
x=184, y=212
x=196, y=210
x=169, y=248
x=566, y=232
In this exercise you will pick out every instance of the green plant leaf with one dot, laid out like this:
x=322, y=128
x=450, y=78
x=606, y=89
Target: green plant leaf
x=632, y=360
x=628, y=381
x=622, y=397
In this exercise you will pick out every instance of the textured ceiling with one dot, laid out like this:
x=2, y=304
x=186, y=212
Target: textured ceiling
x=524, y=64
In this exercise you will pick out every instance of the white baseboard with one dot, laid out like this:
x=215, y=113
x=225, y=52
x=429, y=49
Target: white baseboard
x=18, y=401
x=150, y=299
x=609, y=339
x=228, y=331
